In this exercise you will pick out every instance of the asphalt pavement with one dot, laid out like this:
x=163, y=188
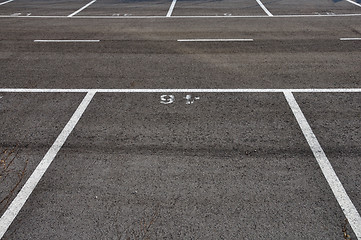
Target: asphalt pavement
x=177, y=163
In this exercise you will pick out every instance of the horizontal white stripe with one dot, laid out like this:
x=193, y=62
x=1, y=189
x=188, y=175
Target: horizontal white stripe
x=164, y=17
x=350, y=39
x=215, y=40
x=66, y=41
x=236, y=90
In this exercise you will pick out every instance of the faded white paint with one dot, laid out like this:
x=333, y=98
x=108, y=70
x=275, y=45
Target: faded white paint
x=190, y=100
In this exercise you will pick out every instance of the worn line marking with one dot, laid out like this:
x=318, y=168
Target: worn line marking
x=170, y=11
x=264, y=8
x=172, y=90
x=216, y=40
x=19, y=201
x=81, y=9
x=350, y=39
x=354, y=3
x=65, y=41
x=6, y=2
x=336, y=186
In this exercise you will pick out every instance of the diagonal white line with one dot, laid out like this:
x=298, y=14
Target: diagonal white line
x=81, y=9
x=19, y=201
x=354, y=3
x=338, y=190
x=170, y=11
x=6, y=2
x=264, y=8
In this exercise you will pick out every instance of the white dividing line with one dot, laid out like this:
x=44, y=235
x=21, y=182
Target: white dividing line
x=185, y=17
x=180, y=90
x=341, y=196
x=354, y=3
x=170, y=11
x=19, y=201
x=66, y=41
x=264, y=8
x=216, y=40
x=350, y=39
x=81, y=9
x=6, y=2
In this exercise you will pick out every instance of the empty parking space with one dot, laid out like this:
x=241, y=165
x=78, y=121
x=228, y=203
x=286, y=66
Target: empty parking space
x=217, y=8
x=128, y=8
x=335, y=119
x=227, y=165
x=42, y=8
x=318, y=7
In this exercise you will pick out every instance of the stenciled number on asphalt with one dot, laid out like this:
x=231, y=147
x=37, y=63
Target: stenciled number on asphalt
x=168, y=99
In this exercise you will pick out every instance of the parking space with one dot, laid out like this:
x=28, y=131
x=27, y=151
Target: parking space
x=225, y=166
x=128, y=8
x=317, y=7
x=335, y=119
x=41, y=8
x=217, y=8
x=225, y=8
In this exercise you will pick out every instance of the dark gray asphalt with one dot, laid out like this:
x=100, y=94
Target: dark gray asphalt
x=144, y=53
x=339, y=135
x=41, y=7
x=232, y=166
x=228, y=166
x=325, y=7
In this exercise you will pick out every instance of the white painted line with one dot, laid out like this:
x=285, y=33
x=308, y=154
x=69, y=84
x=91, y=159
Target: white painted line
x=81, y=9
x=66, y=41
x=357, y=4
x=19, y=201
x=170, y=11
x=6, y=2
x=180, y=90
x=164, y=17
x=338, y=190
x=264, y=8
x=216, y=40
x=350, y=39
